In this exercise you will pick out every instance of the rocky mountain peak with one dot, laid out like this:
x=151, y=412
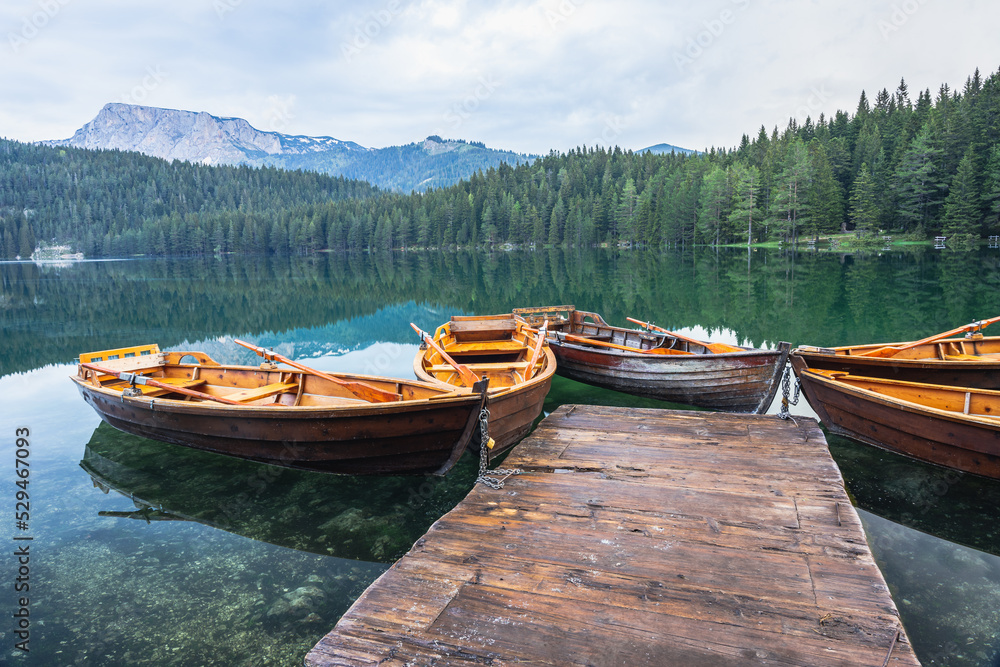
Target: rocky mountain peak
x=203, y=138
x=173, y=134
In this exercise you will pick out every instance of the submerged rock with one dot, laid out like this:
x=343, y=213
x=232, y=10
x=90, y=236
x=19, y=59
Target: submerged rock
x=348, y=521
x=297, y=604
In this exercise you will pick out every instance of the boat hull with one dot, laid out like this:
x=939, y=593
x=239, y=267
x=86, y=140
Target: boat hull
x=733, y=382
x=655, y=363
x=496, y=347
x=512, y=411
x=923, y=364
x=513, y=414
x=934, y=436
x=387, y=438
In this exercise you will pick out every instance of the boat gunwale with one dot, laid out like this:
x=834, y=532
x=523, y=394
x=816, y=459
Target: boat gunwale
x=357, y=406
x=546, y=373
x=645, y=355
x=600, y=322
x=908, y=406
x=842, y=354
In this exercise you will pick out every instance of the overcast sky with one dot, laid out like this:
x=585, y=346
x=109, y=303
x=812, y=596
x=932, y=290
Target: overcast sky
x=529, y=75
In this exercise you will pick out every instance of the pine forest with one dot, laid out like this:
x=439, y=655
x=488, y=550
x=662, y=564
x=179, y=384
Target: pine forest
x=908, y=168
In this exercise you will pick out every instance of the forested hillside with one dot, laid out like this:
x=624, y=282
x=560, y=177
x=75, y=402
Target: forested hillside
x=918, y=167
x=114, y=203
x=201, y=138
x=924, y=167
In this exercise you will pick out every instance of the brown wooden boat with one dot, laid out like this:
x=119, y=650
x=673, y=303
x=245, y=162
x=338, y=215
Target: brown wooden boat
x=658, y=364
x=516, y=360
x=955, y=427
x=960, y=362
x=297, y=418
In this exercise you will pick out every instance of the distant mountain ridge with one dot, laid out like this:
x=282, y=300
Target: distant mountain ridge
x=666, y=148
x=193, y=136
x=200, y=137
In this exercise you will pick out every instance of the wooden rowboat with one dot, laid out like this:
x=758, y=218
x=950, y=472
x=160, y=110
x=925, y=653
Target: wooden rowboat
x=297, y=418
x=660, y=364
x=516, y=361
x=955, y=427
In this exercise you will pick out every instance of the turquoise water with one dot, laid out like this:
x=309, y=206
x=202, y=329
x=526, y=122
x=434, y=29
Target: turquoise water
x=151, y=554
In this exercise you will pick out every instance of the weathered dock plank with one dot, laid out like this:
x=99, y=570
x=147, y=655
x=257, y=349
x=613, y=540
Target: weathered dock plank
x=639, y=537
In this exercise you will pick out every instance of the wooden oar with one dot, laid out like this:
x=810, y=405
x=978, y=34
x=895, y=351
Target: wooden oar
x=135, y=378
x=600, y=343
x=890, y=351
x=717, y=348
x=468, y=377
x=362, y=390
x=529, y=371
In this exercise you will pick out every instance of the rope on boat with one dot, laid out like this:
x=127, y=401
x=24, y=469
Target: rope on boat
x=785, y=390
x=486, y=443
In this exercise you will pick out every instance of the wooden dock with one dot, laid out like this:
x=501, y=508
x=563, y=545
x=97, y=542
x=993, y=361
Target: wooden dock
x=639, y=537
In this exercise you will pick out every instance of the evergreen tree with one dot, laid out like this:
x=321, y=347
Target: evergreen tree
x=961, y=208
x=745, y=206
x=714, y=205
x=8, y=249
x=25, y=240
x=557, y=221
x=789, y=208
x=864, y=210
x=489, y=230
x=917, y=186
x=626, y=212
x=903, y=96
x=825, y=195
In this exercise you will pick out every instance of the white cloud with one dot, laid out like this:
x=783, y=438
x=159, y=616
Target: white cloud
x=529, y=75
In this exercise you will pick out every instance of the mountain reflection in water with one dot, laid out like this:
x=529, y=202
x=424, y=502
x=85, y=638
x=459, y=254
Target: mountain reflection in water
x=121, y=591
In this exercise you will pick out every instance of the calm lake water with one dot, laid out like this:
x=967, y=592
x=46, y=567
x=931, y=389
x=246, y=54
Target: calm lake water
x=145, y=553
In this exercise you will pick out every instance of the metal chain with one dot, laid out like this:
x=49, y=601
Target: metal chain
x=785, y=389
x=492, y=482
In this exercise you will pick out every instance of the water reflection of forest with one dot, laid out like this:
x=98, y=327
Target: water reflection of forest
x=375, y=519
x=50, y=315
x=948, y=504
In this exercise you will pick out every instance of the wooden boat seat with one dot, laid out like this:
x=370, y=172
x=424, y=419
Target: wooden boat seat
x=962, y=357
x=482, y=329
x=247, y=395
x=515, y=366
x=472, y=348
x=457, y=325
